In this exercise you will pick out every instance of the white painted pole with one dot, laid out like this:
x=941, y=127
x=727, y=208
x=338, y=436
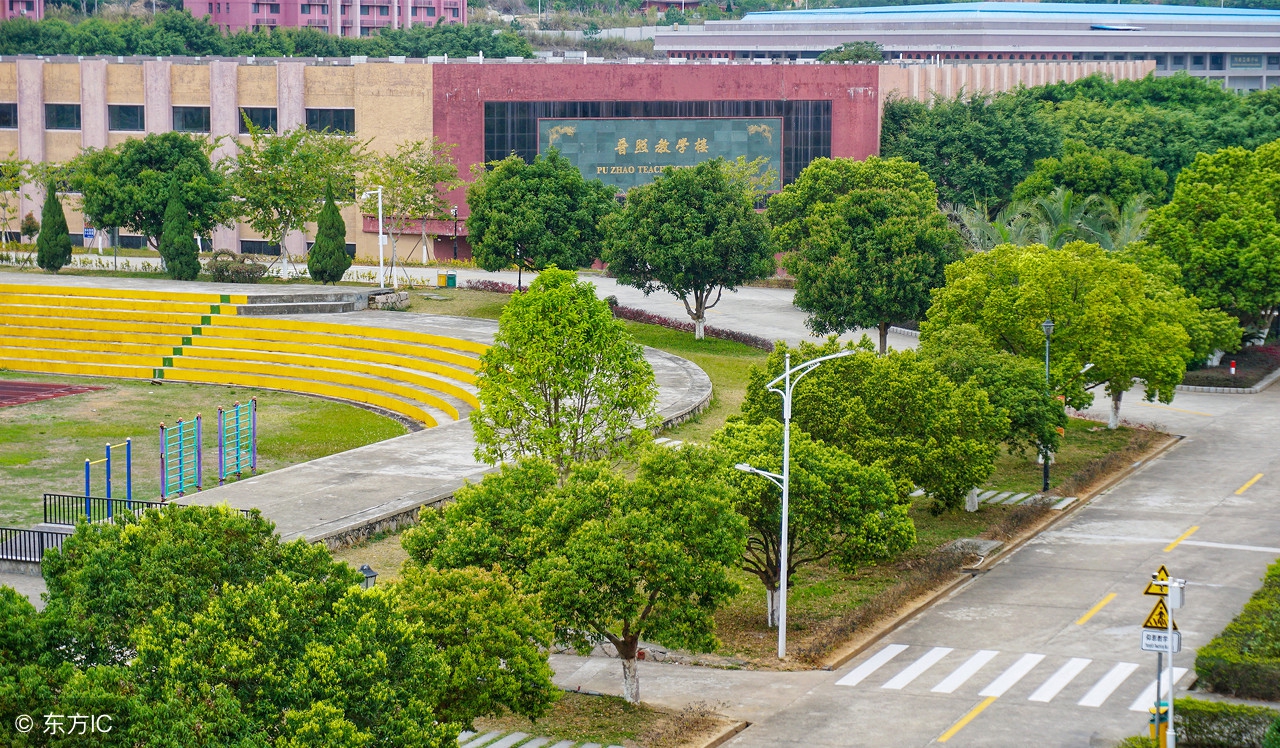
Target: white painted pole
x=786, y=496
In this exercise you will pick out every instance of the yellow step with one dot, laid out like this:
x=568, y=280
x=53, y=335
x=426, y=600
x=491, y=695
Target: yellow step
x=385, y=333
x=351, y=340
x=333, y=358
x=83, y=302
x=125, y=293
x=49, y=354
x=80, y=370
x=330, y=346
x=92, y=336
x=312, y=374
x=37, y=312
x=302, y=386
x=91, y=346
x=89, y=325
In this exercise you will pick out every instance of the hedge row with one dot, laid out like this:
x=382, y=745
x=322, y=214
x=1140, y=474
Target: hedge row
x=1244, y=660
x=1216, y=724
x=640, y=315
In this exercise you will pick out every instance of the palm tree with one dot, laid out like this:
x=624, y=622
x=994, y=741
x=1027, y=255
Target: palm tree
x=1114, y=228
x=1062, y=217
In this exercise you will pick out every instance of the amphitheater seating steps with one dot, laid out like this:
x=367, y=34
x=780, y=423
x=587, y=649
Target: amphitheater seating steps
x=212, y=338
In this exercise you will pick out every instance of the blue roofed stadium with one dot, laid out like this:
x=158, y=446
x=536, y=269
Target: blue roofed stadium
x=1236, y=46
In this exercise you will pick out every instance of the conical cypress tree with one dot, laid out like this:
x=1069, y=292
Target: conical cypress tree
x=328, y=259
x=53, y=245
x=177, y=241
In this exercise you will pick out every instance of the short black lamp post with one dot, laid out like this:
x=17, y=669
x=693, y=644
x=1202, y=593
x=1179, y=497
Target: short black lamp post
x=1047, y=326
x=454, y=211
x=370, y=576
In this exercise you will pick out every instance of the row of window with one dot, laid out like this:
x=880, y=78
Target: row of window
x=133, y=118
x=309, y=8
x=261, y=247
x=1217, y=62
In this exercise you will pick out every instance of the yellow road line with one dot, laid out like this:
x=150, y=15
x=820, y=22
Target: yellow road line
x=1170, y=407
x=966, y=719
x=1246, y=486
x=1181, y=538
x=1085, y=618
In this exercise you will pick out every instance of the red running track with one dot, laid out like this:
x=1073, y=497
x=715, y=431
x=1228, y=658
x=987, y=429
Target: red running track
x=20, y=393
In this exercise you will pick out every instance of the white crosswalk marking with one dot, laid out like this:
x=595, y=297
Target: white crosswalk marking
x=877, y=660
x=1011, y=676
x=1060, y=679
x=1108, y=684
x=965, y=671
x=915, y=669
x=1148, y=697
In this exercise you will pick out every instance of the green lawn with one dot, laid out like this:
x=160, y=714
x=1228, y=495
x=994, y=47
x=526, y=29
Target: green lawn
x=43, y=445
x=609, y=720
x=1085, y=441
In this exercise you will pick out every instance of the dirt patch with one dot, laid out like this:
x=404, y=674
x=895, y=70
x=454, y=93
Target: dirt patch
x=1252, y=364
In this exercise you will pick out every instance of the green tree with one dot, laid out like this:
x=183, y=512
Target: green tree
x=13, y=178
x=692, y=233
x=613, y=559
x=1106, y=312
x=893, y=411
x=1014, y=385
x=29, y=227
x=1222, y=230
x=53, y=245
x=563, y=380
x=1111, y=173
x=412, y=178
x=872, y=246
x=281, y=178
x=536, y=215
x=839, y=510
x=975, y=148
x=178, y=247
x=854, y=52
x=328, y=261
x=130, y=185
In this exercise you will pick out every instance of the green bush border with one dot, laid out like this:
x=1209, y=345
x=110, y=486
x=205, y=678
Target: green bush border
x=1239, y=661
x=1219, y=724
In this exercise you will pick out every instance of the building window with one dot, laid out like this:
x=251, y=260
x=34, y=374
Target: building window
x=1217, y=62
x=384, y=10
x=8, y=116
x=364, y=10
x=126, y=117
x=1246, y=62
x=324, y=10
x=259, y=247
x=1273, y=62
x=273, y=8
x=351, y=249
x=332, y=120
x=1197, y=62
x=431, y=12
x=1179, y=62
x=453, y=12
x=304, y=9
x=255, y=7
x=62, y=116
x=191, y=118
x=1161, y=62
x=263, y=118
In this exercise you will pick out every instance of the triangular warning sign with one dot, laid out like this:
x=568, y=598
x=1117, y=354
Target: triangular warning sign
x=1158, y=618
x=1158, y=589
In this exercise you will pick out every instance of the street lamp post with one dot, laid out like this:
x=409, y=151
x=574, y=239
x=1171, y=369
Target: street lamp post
x=788, y=379
x=382, y=240
x=1047, y=326
x=454, y=211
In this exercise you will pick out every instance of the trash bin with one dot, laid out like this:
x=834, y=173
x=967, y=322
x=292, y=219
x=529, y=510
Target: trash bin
x=441, y=279
x=1159, y=724
x=453, y=279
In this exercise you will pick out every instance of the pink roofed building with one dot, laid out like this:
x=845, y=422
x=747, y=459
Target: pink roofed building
x=33, y=9
x=345, y=17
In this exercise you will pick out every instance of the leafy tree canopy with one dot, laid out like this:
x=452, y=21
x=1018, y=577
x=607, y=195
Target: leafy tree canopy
x=563, y=380
x=854, y=52
x=178, y=246
x=692, y=233
x=536, y=215
x=1111, y=173
x=872, y=243
x=893, y=411
x=328, y=261
x=53, y=245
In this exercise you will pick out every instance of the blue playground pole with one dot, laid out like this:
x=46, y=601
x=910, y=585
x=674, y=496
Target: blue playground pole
x=86, y=490
x=108, y=480
x=128, y=472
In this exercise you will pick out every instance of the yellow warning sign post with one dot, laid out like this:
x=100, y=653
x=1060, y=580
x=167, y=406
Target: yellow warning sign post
x=1158, y=590
x=1158, y=618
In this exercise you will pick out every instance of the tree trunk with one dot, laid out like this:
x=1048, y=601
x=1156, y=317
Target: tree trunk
x=630, y=677
x=884, y=338
x=1114, y=421
x=771, y=606
x=699, y=324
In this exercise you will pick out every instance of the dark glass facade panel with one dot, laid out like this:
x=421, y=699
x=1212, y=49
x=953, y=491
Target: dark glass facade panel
x=191, y=118
x=62, y=116
x=8, y=116
x=332, y=120
x=512, y=126
x=259, y=247
x=263, y=118
x=126, y=117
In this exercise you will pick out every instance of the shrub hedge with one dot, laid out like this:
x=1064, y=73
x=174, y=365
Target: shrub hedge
x=1217, y=724
x=1272, y=739
x=1244, y=660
